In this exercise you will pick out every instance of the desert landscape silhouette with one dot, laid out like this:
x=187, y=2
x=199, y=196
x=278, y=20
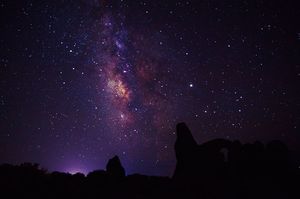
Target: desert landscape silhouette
x=218, y=168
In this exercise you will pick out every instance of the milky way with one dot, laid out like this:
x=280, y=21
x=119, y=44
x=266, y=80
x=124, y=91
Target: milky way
x=137, y=109
x=82, y=81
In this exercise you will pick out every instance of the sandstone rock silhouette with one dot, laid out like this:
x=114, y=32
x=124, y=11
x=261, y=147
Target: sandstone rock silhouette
x=114, y=168
x=217, y=169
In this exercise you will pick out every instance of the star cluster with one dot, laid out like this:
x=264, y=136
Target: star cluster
x=82, y=81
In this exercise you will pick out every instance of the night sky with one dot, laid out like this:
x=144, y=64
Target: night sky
x=84, y=80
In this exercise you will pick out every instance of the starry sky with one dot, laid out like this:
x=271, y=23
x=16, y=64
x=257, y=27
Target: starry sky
x=83, y=80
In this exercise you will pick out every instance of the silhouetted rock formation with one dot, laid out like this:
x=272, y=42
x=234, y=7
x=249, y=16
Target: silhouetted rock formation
x=185, y=147
x=114, y=168
x=193, y=160
x=207, y=169
x=216, y=169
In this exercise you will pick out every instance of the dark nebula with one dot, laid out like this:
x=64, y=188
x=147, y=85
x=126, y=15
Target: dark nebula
x=84, y=80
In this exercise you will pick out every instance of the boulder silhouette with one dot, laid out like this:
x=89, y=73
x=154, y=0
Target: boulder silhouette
x=114, y=168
